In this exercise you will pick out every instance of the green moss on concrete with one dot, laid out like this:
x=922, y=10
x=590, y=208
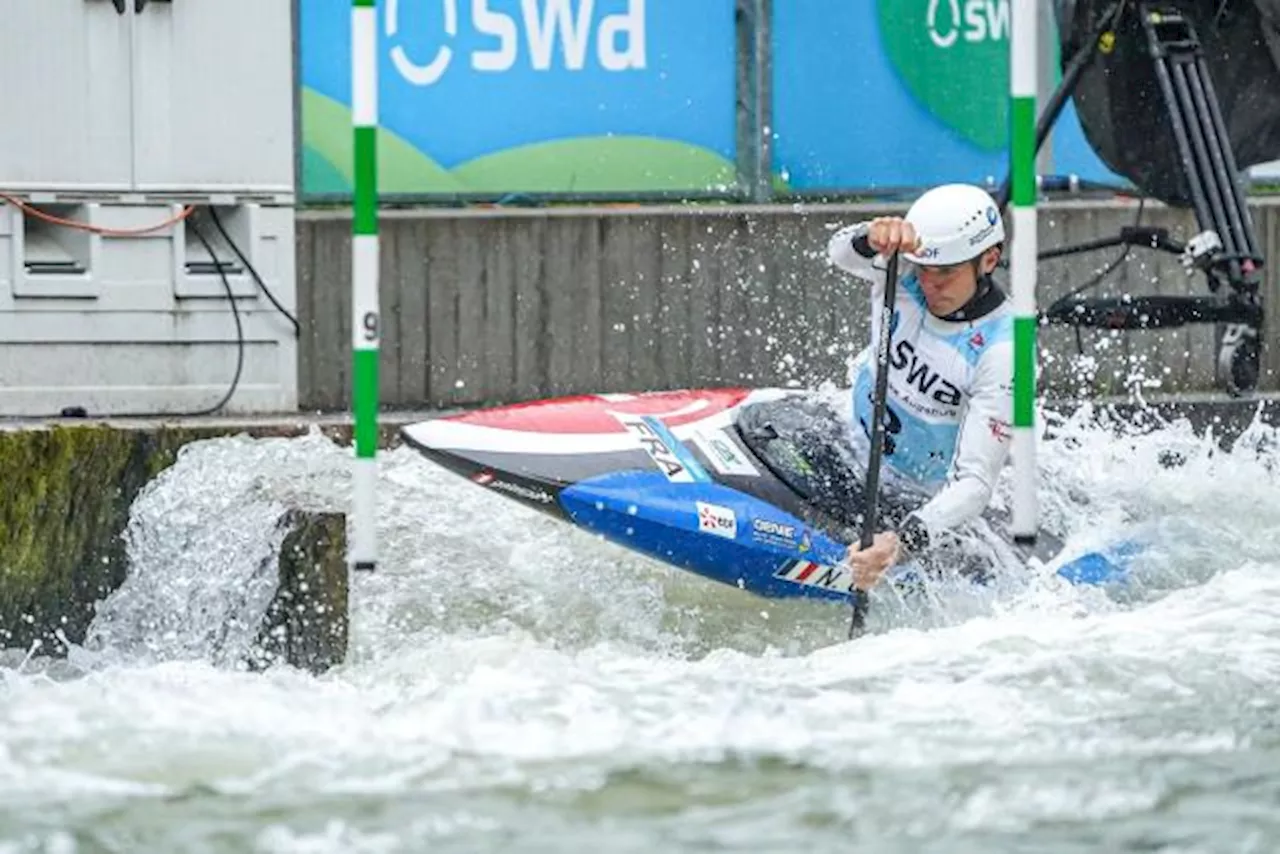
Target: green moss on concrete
x=67, y=490
x=67, y=494
x=65, y=507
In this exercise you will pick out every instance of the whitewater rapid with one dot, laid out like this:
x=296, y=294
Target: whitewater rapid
x=515, y=684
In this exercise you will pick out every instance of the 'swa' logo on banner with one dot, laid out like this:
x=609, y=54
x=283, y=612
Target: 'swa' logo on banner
x=528, y=96
x=953, y=56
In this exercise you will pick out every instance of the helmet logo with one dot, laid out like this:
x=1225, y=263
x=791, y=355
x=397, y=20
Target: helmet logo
x=928, y=252
x=981, y=235
x=992, y=216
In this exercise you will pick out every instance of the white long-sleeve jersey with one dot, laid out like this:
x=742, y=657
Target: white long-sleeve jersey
x=950, y=392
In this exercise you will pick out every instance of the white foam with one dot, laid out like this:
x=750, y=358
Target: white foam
x=499, y=651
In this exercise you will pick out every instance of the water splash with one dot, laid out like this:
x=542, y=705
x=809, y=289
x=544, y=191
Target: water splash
x=202, y=544
x=515, y=683
x=203, y=536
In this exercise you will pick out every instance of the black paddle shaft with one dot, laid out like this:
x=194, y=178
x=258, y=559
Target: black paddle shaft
x=861, y=599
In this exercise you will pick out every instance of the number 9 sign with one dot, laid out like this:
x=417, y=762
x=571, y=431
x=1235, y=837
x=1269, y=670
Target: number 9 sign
x=369, y=324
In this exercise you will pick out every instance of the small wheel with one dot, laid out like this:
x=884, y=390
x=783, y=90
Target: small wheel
x=1239, y=360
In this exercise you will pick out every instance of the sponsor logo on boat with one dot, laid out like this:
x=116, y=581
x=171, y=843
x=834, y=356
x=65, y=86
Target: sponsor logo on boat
x=718, y=520
x=777, y=529
x=529, y=493
x=774, y=533
x=723, y=455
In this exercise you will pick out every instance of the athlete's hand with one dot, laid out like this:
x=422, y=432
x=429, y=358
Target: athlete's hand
x=870, y=563
x=889, y=234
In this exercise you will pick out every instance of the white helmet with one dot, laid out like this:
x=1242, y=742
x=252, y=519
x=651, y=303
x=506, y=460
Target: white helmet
x=956, y=223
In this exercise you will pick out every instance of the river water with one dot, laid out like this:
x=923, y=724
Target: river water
x=514, y=685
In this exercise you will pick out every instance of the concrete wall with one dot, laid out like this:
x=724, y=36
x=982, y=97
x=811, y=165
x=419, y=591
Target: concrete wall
x=146, y=325
x=103, y=307
x=63, y=551
x=511, y=304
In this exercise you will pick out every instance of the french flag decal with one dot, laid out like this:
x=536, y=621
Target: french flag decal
x=815, y=575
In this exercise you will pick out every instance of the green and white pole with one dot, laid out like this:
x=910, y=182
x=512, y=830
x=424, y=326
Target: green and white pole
x=366, y=327
x=1022, y=266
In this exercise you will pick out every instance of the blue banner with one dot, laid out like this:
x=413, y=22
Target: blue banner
x=541, y=96
x=872, y=94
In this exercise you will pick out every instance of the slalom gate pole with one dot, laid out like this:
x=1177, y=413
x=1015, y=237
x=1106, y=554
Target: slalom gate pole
x=365, y=319
x=1022, y=265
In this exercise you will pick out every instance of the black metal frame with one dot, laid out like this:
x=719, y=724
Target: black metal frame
x=1226, y=251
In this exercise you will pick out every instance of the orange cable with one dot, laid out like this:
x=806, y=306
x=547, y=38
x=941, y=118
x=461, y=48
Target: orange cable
x=96, y=229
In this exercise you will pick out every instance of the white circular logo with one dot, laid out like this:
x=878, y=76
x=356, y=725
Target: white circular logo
x=939, y=38
x=423, y=75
